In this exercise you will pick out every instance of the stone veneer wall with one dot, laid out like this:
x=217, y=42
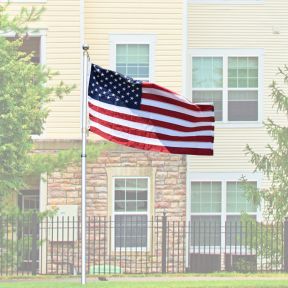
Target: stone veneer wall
x=169, y=195
x=64, y=188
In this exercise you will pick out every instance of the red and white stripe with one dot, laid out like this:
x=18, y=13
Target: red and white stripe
x=166, y=122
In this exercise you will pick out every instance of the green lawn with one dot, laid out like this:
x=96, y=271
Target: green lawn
x=169, y=284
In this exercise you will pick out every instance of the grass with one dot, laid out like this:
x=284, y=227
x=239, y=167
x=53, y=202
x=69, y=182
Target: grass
x=170, y=284
x=230, y=281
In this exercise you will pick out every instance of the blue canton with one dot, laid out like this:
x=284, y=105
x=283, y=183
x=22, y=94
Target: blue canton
x=114, y=88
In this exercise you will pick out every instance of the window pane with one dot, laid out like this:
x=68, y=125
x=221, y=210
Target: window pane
x=142, y=195
x=242, y=105
x=243, y=72
x=131, y=206
x=133, y=60
x=205, y=231
x=119, y=206
x=31, y=44
x=210, y=96
x=205, y=197
x=237, y=232
x=131, y=183
x=131, y=231
x=120, y=195
x=207, y=72
x=120, y=183
x=237, y=200
x=131, y=194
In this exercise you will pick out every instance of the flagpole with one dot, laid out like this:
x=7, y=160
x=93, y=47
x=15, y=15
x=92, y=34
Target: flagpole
x=83, y=158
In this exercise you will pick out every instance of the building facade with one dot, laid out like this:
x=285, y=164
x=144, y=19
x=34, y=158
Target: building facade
x=221, y=51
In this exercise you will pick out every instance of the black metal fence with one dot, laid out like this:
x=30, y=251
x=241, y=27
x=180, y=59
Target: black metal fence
x=132, y=244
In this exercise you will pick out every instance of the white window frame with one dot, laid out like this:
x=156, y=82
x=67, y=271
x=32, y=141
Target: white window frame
x=238, y=2
x=147, y=213
x=149, y=39
x=223, y=178
x=225, y=53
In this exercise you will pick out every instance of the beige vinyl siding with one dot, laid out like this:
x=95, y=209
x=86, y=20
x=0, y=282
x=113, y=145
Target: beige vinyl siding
x=61, y=23
x=225, y=26
x=106, y=17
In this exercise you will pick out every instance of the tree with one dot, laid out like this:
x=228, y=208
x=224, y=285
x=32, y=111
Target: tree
x=274, y=163
x=24, y=93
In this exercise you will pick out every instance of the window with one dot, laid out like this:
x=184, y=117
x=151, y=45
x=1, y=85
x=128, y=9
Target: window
x=231, y=82
x=133, y=60
x=236, y=200
x=131, y=198
x=217, y=205
x=133, y=55
x=31, y=44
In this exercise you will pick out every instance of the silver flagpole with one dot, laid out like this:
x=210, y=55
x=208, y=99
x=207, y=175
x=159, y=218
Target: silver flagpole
x=83, y=158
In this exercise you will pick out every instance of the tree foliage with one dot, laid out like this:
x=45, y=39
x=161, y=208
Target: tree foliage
x=25, y=91
x=274, y=163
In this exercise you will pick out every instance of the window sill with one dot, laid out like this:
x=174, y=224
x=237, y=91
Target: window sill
x=227, y=125
x=228, y=2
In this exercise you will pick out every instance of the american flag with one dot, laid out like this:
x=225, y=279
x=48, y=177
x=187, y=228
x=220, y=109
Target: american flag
x=147, y=116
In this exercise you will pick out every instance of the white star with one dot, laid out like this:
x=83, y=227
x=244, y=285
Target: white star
x=91, y=92
x=135, y=103
x=93, y=84
x=126, y=101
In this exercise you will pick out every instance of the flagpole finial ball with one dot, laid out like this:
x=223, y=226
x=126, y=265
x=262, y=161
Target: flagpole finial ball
x=85, y=47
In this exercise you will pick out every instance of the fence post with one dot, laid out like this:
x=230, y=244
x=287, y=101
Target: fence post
x=164, y=242
x=286, y=244
x=34, y=243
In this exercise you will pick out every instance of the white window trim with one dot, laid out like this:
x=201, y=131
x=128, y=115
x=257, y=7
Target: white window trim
x=149, y=39
x=223, y=178
x=225, y=53
x=147, y=213
x=238, y=2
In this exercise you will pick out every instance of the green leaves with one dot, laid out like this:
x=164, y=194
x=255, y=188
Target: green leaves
x=274, y=164
x=24, y=93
